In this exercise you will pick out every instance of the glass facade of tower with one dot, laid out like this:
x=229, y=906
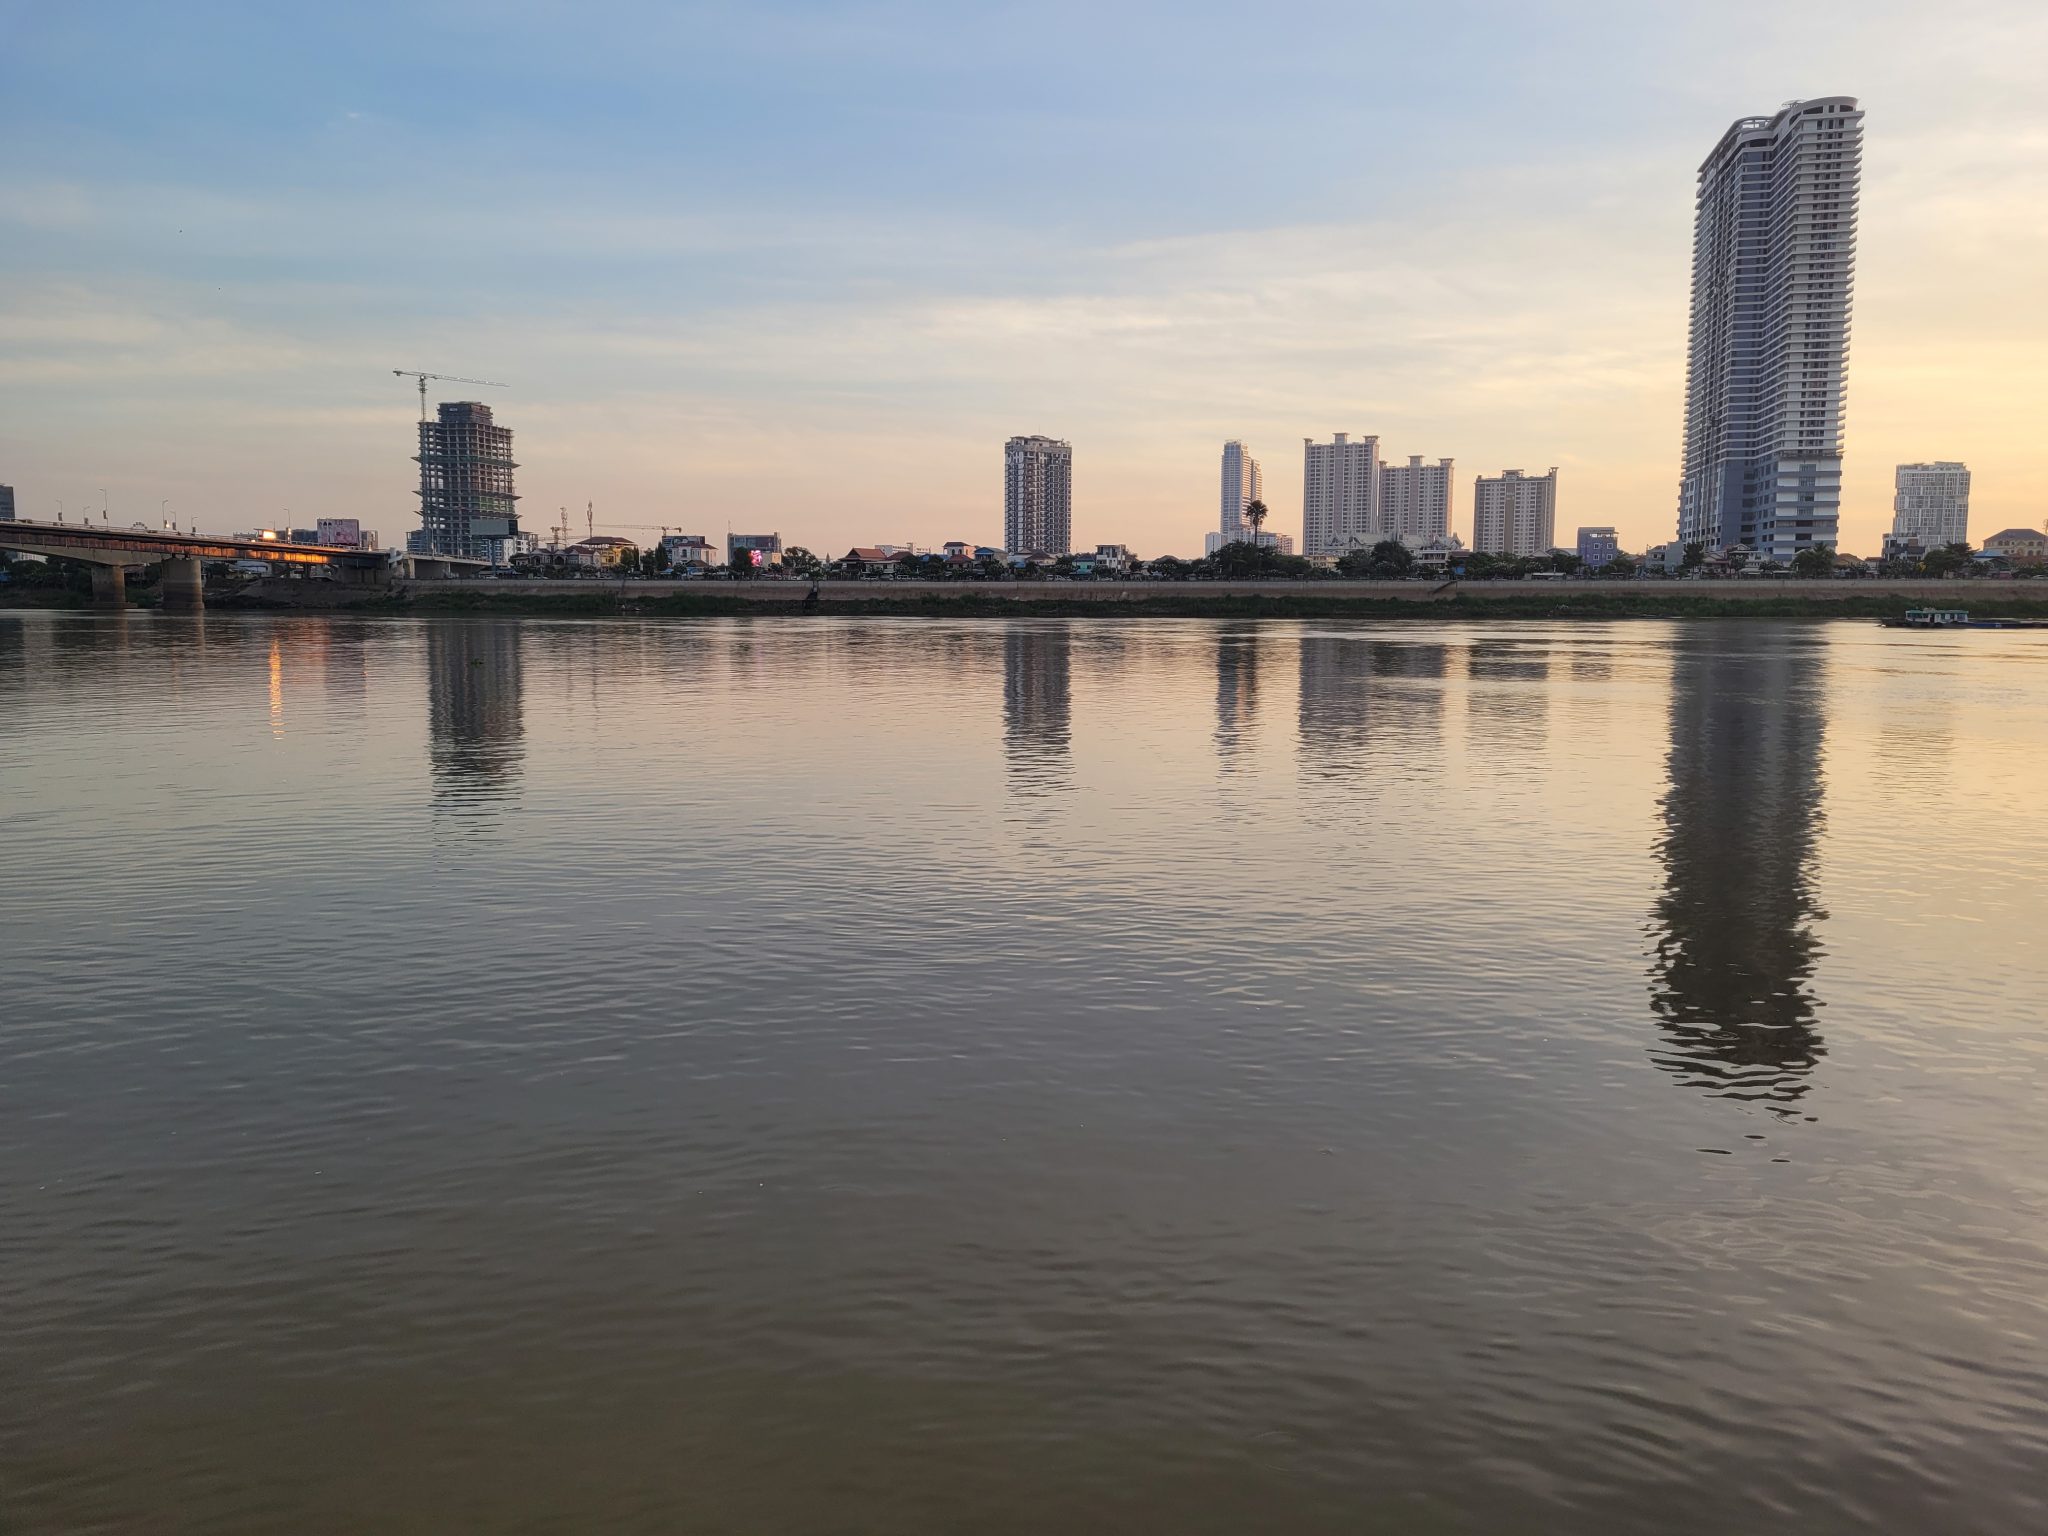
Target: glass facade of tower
x=1774, y=249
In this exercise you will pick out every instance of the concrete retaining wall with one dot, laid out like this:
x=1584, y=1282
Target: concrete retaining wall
x=1935, y=593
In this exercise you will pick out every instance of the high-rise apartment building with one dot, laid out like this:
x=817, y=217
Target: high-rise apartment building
x=1415, y=500
x=1931, y=504
x=1038, y=496
x=1514, y=513
x=1242, y=485
x=466, y=497
x=6, y=503
x=1774, y=242
x=1340, y=495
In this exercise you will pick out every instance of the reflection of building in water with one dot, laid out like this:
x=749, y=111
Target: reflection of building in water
x=1734, y=941
x=475, y=727
x=1037, y=707
x=1333, y=705
x=1913, y=765
x=1370, y=704
x=1507, y=702
x=344, y=668
x=332, y=649
x=1237, y=696
x=1590, y=665
x=1408, y=695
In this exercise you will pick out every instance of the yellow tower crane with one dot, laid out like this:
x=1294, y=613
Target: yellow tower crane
x=445, y=378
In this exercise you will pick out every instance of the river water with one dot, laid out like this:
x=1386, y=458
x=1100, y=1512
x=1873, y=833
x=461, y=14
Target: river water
x=833, y=1076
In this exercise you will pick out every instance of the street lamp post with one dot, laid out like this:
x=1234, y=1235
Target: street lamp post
x=106, y=502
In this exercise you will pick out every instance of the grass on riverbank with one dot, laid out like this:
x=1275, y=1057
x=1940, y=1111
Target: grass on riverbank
x=1164, y=601
x=1178, y=602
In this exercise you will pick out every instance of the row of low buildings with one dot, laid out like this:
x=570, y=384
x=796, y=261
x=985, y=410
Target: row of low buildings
x=958, y=556
x=677, y=552
x=334, y=532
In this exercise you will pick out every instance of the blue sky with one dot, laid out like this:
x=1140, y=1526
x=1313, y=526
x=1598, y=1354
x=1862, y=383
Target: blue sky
x=805, y=266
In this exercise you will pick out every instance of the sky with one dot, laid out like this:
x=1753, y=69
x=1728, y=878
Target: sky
x=804, y=266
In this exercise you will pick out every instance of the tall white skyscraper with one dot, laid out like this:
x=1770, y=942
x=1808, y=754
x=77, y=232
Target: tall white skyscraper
x=1415, y=500
x=1774, y=243
x=1340, y=495
x=1514, y=513
x=1242, y=485
x=1931, y=504
x=1038, y=496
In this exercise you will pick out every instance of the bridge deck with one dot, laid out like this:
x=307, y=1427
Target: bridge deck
x=144, y=546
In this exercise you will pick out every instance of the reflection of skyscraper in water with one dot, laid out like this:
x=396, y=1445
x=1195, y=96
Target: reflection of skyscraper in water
x=475, y=726
x=1037, y=707
x=1370, y=704
x=1237, y=696
x=1734, y=946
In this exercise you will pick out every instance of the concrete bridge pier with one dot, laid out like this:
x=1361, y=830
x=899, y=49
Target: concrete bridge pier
x=109, y=586
x=184, y=585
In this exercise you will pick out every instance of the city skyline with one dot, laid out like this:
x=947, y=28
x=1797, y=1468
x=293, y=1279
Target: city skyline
x=213, y=260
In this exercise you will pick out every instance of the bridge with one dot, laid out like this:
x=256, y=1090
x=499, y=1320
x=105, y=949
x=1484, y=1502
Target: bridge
x=111, y=552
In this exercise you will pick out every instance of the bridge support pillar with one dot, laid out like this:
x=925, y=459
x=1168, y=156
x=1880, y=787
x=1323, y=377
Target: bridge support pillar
x=184, y=589
x=109, y=587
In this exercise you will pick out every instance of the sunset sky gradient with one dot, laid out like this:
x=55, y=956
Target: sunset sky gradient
x=806, y=266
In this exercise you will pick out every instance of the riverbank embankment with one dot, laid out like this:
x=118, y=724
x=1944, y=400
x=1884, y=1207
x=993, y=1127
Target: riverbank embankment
x=1126, y=599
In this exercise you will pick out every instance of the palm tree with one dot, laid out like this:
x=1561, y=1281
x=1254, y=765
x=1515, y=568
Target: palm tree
x=1255, y=514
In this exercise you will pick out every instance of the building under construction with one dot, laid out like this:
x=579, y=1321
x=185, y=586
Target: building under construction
x=467, y=505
